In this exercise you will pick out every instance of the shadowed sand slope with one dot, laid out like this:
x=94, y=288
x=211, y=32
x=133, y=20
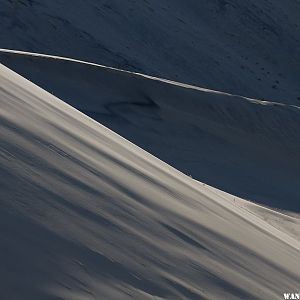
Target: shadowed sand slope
x=246, y=147
x=86, y=214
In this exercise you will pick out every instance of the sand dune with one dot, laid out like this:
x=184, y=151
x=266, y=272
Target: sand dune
x=85, y=214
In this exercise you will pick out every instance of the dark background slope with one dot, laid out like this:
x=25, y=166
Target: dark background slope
x=249, y=48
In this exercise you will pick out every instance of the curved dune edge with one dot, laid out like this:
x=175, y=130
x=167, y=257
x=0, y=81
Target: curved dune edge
x=171, y=82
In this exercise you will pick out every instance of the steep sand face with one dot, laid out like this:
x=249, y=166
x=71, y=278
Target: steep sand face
x=86, y=214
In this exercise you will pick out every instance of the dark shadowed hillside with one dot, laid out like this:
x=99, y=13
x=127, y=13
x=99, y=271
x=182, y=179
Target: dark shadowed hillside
x=246, y=147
